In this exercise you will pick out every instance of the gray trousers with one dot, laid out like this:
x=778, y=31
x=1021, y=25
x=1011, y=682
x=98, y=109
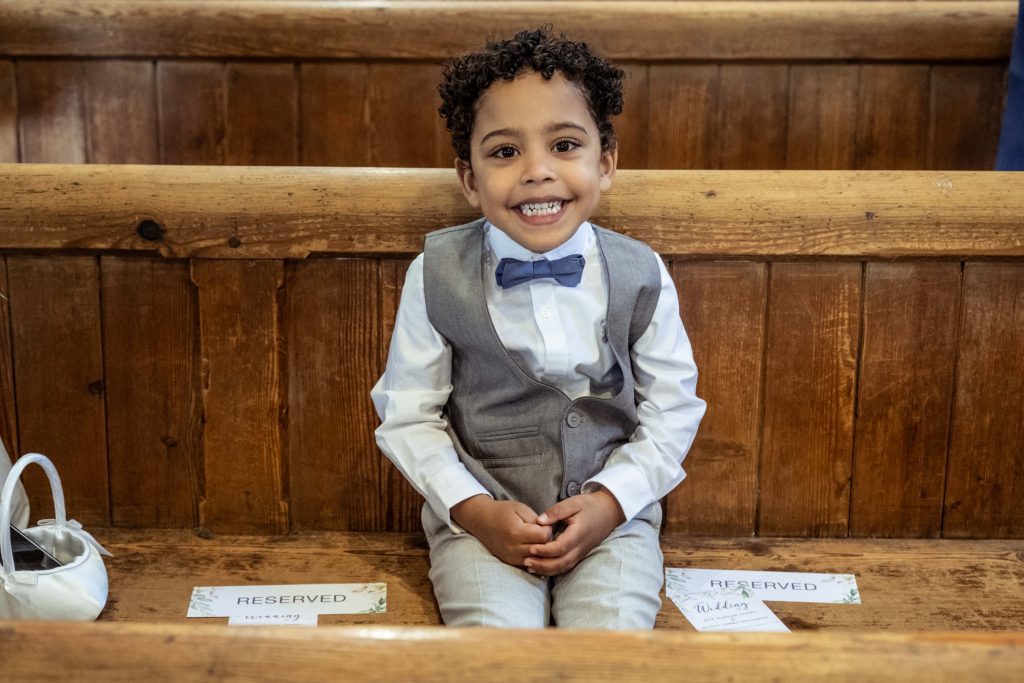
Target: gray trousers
x=616, y=586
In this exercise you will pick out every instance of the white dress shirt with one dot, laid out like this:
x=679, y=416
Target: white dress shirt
x=556, y=334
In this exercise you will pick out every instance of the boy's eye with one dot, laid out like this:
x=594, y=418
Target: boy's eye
x=504, y=152
x=566, y=145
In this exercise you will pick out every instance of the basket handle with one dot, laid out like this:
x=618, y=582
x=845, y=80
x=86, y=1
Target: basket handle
x=6, y=498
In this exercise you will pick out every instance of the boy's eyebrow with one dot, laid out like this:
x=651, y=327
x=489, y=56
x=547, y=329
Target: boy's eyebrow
x=513, y=132
x=510, y=132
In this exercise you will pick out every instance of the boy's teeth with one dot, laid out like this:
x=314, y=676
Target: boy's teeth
x=541, y=208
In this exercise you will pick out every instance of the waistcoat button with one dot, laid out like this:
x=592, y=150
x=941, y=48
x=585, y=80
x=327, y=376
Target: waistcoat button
x=573, y=419
x=573, y=488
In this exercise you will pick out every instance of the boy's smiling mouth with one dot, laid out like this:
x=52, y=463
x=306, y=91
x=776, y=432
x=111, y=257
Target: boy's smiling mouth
x=541, y=209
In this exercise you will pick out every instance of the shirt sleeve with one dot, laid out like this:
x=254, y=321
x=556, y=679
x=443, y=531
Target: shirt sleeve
x=409, y=398
x=646, y=468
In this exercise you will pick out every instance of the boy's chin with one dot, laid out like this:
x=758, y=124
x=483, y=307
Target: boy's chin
x=536, y=238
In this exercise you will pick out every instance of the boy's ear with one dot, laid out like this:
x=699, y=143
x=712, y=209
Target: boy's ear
x=609, y=161
x=467, y=182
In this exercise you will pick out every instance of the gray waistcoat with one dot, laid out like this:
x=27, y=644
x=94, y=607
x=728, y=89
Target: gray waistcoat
x=523, y=439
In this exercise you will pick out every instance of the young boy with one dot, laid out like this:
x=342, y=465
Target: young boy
x=540, y=388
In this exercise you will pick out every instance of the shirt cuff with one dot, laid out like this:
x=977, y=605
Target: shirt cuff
x=627, y=483
x=448, y=487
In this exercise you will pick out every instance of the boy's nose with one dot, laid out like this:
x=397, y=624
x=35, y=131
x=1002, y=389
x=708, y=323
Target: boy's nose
x=537, y=169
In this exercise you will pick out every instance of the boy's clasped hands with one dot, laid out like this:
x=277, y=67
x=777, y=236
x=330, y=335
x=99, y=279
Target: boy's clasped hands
x=517, y=535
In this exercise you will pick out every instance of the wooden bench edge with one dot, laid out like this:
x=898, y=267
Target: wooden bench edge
x=253, y=212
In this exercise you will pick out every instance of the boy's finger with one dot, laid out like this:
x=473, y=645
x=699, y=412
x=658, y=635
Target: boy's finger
x=534, y=534
x=525, y=513
x=558, y=547
x=559, y=511
x=551, y=567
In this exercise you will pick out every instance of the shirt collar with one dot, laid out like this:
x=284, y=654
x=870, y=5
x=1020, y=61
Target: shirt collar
x=503, y=246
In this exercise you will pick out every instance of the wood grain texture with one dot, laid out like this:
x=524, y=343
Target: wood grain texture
x=262, y=114
x=905, y=585
x=723, y=307
x=166, y=651
x=8, y=113
x=51, y=106
x=8, y=406
x=120, y=112
x=193, y=111
x=683, y=110
x=433, y=30
x=631, y=128
x=254, y=212
x=911, y=313
x=822, y=128
x=404, y=503
x=810, y=378
x=242, y=394
x=335, y=119
x=752, y=115
x=986, y=460
x=402, y=101
x=58, y=367
x=966, y=111
x=337, y=473
x=154, y=422
x=893, y=137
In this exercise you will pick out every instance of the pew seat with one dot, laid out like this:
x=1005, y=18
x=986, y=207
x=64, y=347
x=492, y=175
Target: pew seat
x=906, y=585
x=938, y=610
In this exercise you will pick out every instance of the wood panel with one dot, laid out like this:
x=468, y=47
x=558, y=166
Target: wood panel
x=8, y=407
x=905, y=390
x=192, y=110
x=51, y=105
x=752, y=116
x=120, y=112
x=242, y=393
x=631, y=127
x=430, y=30
x=337, y=473
x=170, y=651
x=683, y=111
x=986, y=460
x=891, y=135
x=966, y=102
x=244, y=212
x=154, y=419
x=404, y=503
x=723, y=306
x=262, y=114
x=58, y=367
x=8, y=113
x=335, y=125
x=810, y=376
x=404, y=129
x=822, y=128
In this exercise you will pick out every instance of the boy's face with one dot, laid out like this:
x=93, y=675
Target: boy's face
x=536, y=167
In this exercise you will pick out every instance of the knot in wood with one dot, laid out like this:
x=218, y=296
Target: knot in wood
x=150, y=230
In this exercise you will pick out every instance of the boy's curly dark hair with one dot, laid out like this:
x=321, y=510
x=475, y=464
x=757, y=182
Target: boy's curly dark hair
x=467, y=78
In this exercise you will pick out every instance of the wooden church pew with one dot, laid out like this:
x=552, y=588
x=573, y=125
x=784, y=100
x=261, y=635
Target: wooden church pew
x=193, y=346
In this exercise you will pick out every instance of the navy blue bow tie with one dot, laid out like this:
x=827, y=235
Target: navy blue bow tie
x=566, y=271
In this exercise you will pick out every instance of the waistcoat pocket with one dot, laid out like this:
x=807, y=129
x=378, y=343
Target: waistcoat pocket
x=509, y=447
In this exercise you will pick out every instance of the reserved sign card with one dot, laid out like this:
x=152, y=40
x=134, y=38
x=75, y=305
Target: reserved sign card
x=726, y=609
x=294, y=604
x=770, y=586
